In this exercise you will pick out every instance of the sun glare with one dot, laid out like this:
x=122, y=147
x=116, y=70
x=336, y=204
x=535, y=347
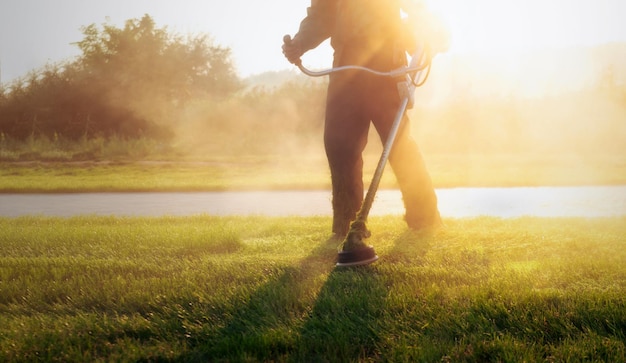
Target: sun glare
x=509, y=28
x=522, y=44
x=491, y=28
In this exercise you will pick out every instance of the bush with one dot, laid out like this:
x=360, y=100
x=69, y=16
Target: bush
x=131, y=81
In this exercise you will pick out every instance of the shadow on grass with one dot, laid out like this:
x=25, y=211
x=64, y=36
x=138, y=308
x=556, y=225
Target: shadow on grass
x=344, y=324
x=310, y=311
x=263, y=326
x=350, y=318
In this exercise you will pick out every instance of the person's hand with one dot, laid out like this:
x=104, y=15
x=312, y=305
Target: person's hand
x=292, y=50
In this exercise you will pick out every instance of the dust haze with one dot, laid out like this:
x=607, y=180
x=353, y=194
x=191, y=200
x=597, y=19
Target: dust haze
x=556, y=105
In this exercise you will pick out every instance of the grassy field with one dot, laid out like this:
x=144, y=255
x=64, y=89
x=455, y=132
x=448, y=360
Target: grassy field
x=154, y=176
x=301, y=172
x=265, y=289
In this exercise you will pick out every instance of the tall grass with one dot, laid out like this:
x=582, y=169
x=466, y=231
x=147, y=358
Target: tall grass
x=59, y=149
x=265, y=289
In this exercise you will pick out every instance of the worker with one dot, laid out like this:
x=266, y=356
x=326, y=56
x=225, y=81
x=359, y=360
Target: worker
x=372, y=34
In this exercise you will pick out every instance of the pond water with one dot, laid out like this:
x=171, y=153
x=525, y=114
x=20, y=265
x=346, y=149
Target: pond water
x=592, y=201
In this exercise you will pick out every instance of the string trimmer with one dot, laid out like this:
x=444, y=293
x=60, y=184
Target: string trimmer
x=355, y=251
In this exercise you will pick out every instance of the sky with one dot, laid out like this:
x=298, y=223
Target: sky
x=36, y=32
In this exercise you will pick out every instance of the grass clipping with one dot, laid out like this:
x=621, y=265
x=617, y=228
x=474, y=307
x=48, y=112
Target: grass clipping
x=265, y=289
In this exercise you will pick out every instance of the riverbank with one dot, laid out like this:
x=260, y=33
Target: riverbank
x=302, y=172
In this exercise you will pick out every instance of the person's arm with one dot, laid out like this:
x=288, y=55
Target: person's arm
x=318, y=24
x=314, y=29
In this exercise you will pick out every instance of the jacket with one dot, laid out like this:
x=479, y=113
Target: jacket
x=365, y=26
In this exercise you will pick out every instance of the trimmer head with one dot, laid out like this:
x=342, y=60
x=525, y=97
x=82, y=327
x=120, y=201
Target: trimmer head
x=355, y=252
x=357, y=257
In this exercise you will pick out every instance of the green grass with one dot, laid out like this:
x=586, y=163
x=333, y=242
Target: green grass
x=299, y=172
x=153, y=176
x=265, y=289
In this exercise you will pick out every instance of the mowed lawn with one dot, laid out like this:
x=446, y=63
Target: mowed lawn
x=208, y=288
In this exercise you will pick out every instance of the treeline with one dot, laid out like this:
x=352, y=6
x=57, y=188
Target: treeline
x=126, y=82
x=140, y=81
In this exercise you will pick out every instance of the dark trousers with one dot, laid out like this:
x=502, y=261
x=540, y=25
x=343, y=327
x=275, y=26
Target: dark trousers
x=355, y=100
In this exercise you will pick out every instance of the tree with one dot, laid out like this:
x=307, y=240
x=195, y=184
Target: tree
x=129, y=81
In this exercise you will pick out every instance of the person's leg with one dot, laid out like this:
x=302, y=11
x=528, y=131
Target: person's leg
x=419, y=196
x=345, y=137
x=418, y=193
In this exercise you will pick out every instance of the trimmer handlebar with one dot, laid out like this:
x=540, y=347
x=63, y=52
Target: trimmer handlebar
x=419, y=62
